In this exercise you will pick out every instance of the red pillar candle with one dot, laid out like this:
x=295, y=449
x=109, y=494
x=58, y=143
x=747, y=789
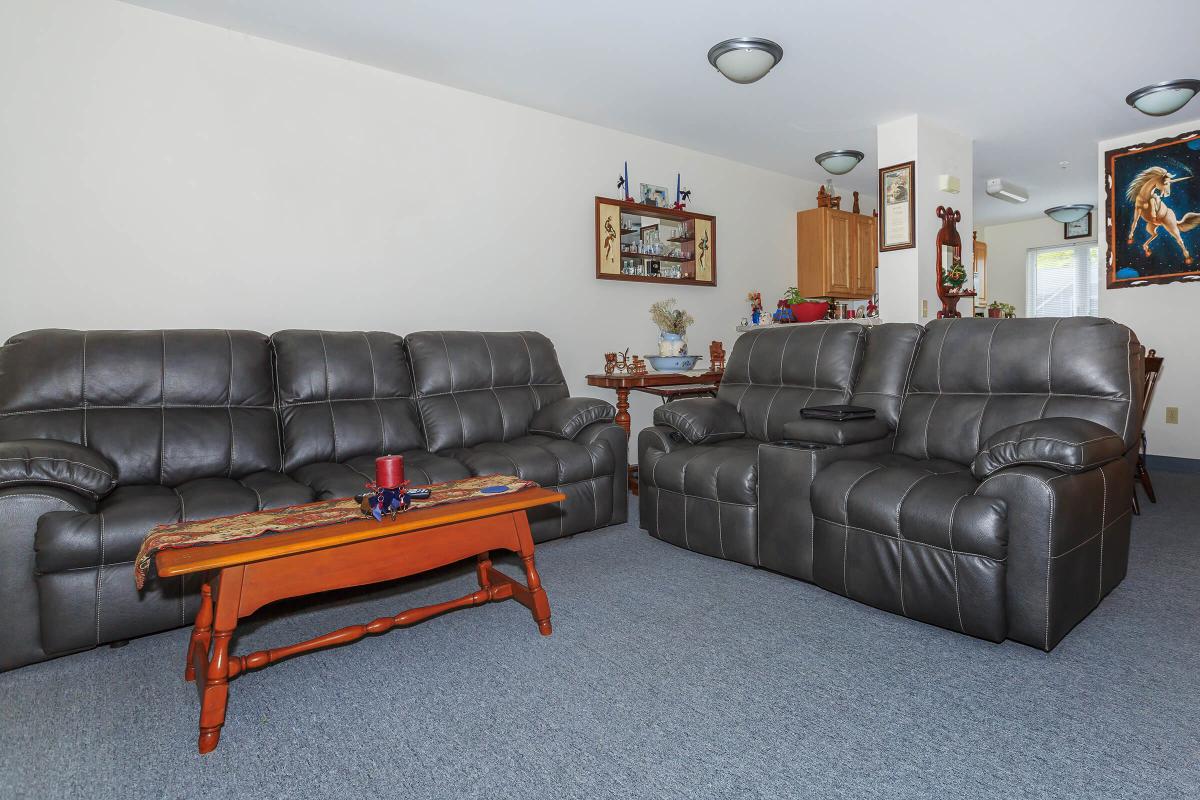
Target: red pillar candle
x=389, y=471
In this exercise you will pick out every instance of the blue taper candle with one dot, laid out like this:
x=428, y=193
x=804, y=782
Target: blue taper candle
x=676, y=188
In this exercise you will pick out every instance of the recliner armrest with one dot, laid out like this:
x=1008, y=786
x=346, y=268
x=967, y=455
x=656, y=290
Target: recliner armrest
x=837, y=432
x=1065, y=444
x=701, y=420
x=49, y=462
x=565, y=418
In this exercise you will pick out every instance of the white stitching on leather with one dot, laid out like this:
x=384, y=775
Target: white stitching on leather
x=329, y=394
x=717, y=490
x=60, y=461
x=988, y=399
x=82, y=390
x=1103, y=527
x=375, y=392
x=99, y=576
x=537, y=398
x=954, y=561
x=1053, y=439
x=900, y=535
x=846, y=525
x=492, y=386
x=918, y=542
x=228, y=413
x=462, y=426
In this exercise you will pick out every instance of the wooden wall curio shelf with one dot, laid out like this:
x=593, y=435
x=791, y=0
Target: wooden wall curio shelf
x=648, y=244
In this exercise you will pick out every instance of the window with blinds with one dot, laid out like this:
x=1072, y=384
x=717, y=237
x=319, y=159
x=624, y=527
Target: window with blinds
x=1062, y=281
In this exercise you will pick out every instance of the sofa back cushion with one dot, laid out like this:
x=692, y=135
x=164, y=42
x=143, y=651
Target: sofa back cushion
x=883, y=374
x=774, y=373
x=164, y=406
x=973, y=377
x=343, y=394
x=476, y=387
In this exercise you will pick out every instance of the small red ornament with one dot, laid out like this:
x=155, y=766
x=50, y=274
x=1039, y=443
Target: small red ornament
x=389, y=472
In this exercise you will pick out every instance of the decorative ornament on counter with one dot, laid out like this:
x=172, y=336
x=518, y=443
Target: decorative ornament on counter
x=756, y=308
x=639, y=366
x=617, y=363
x=955, y=275
x=783, y=313
x=855, y=209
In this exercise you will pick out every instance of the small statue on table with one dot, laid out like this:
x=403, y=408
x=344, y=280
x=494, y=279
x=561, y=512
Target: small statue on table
x=639, y=366
x=716, y=357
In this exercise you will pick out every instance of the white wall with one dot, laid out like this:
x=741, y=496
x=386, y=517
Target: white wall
x=158, y=172
x=1164, y=317
x=1007, y=251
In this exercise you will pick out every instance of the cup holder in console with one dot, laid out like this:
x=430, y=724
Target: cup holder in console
x=797, y=445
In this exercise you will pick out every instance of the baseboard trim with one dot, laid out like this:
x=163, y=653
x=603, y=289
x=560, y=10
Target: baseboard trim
x=1172, y=464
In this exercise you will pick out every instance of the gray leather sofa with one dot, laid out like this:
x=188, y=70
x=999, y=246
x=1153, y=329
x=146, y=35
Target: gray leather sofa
x=104, y=434
x=991, y=494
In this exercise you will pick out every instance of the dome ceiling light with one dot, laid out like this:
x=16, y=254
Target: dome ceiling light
x=1160, y=99
x=839, y=162
x=746, y=59
x=1069, y=214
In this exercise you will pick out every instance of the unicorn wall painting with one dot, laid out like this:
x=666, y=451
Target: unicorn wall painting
x=1152, y=208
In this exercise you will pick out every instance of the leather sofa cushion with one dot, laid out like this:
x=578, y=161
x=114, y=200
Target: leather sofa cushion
x=481, y=387
x=163, y=406
x=75, y=540
x=772, y=374
x=343, y=394
x=46, y=462
x=910, y=536
x=974, y=377
x=838, y=432
x=565, y=418
x=883, y=374
x=545, y=460
x=725, y=471
x=701, y=420
x=1060, y=443
x=329, y=479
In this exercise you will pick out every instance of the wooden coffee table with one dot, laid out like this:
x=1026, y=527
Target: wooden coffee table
x=248, y=574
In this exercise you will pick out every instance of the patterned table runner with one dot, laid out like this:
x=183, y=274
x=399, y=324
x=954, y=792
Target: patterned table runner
x=293, y=518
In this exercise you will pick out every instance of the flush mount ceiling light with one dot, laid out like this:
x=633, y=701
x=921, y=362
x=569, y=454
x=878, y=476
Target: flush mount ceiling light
x=1160, y=99
x=1008, y=192
x=839, y=162
x=746, y=59
x=1069, y=214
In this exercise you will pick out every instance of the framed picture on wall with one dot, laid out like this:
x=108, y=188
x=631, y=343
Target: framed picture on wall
x=1079, y=229
x=654, y=195
x=1152, y=210
x=897, y=203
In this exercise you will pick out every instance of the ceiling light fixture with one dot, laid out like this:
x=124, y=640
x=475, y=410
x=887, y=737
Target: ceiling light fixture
x=1160, y=99
x=746, y=59
x=1008, y=192
x=839, y=162
x=1069, y=214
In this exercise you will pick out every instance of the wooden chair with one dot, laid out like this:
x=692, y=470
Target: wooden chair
x=1141, y=473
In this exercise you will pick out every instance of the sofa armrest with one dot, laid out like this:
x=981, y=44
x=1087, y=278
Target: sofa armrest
x=565, y=418
x=838, y=432
x=49, y=462
x=1064, y=444
x=701, y=420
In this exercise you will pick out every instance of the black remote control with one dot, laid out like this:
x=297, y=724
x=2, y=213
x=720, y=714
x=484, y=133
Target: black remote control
x=419, y=494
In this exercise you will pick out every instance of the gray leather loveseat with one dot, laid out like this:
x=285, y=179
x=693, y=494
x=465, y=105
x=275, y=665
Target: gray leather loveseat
x=990, y=494
x=105, y=434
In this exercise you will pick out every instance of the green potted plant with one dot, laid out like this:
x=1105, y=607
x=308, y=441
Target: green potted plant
x=995, y=309
x=805, y=309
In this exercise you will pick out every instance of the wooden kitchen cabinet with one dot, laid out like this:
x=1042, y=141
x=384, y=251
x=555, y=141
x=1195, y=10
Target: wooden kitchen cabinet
x=836, y=254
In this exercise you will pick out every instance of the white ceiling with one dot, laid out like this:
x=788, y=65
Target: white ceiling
x=1032, y=82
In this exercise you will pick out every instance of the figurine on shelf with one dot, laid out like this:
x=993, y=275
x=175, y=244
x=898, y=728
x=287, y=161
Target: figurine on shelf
x=822, y=197
x=855, y=210
x=639, y=366
x=755, y=299
x=873, y=306
x=716, y=357
x=616, y=362
x=623, y=184
x=783, y=313
x=835, y=201
x=682, y=196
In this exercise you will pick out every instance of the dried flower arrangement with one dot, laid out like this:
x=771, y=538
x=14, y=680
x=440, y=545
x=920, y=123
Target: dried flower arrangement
x=669, y=319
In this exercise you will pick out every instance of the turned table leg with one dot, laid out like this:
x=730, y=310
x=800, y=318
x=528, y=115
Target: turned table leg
x=215, y=692
x=201, y=632
x=623, y=418
x=539, y=602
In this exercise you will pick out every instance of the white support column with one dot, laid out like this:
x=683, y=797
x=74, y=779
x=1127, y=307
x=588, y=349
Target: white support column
x=908, y=278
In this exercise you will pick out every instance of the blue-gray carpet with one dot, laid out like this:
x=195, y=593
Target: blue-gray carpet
x=669, y=675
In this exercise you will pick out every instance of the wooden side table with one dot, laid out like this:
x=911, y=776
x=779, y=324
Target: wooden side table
x=623, y=384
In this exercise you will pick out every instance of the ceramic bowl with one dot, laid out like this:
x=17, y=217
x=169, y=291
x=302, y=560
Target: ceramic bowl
x=673, y=363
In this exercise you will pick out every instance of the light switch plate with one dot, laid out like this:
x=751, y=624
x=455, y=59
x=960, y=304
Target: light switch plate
x=1172, y=415
x=924, y=309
